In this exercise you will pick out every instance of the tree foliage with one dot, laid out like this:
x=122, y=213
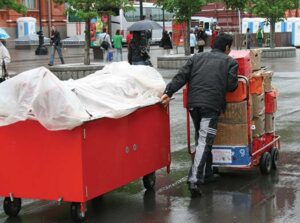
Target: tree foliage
x=13, y=4
x=273, y=10
x=183, y=11
x=89, y=9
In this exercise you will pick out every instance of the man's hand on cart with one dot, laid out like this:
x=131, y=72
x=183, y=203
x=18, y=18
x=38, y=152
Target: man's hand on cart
x=165, y=100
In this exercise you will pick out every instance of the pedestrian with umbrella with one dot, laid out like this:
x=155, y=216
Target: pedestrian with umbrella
x=137, y=51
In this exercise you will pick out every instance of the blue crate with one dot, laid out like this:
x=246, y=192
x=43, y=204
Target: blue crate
x=235, y=156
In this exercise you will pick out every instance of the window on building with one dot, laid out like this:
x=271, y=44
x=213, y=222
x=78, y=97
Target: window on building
x=30, y=4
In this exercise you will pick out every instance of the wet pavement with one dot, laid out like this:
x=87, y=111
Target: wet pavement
x=245, y=196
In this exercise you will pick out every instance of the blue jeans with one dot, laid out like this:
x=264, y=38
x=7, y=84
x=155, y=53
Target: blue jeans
x=119, y=54
x=58, y=49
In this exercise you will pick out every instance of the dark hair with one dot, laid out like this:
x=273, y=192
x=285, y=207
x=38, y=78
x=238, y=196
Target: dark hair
x=104, y=30
x=223, y=40
x=248, y=29
x=118, y=32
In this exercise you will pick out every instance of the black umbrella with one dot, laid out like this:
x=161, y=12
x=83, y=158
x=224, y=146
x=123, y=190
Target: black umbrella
x=144, y=25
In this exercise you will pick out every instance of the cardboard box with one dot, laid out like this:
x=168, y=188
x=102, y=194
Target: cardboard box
x=255, y=57
x=258, y=126
x=270, y=123
x=268, y=80
x=239, y=94
x=258, y=104
x=242, y=57
x=236, y=113
x=256, y=85
x=231, y=134
x=271, y=102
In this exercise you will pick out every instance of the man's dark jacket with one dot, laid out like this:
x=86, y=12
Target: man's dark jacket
x=210, y=75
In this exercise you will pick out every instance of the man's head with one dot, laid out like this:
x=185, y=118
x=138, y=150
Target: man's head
x=53, y=28
x=223, y=42
x=104, y=30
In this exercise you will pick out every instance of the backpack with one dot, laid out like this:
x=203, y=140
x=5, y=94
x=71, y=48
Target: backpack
x=105, y=44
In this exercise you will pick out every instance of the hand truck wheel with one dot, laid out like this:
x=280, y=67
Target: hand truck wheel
x=265, y=163
x=275, y=158
x=149, y=181
x=12, y=208
x=77, y=215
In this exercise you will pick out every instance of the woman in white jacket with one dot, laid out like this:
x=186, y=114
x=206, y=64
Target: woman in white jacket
x=193, y=41
x=4, y=58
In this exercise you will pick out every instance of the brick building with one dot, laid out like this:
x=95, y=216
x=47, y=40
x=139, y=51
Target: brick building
x=228, y=19
x=51, y=14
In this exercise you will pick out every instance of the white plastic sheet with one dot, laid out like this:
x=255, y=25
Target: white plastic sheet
x=115, y=91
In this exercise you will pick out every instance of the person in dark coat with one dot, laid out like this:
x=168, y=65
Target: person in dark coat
x=209, y=75
x=137, y=50
x=166, y=42
x=55, y=46
x=201, y=39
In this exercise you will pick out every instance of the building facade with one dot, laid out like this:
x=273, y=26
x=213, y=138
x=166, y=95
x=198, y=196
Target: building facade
x=51, y=13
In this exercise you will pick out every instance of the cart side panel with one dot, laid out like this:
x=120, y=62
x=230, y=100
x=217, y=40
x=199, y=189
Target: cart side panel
x=118, y=151
x=40, y=164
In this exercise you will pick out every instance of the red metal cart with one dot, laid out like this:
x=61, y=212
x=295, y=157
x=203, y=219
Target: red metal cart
x=261, y=152
x=80, y=164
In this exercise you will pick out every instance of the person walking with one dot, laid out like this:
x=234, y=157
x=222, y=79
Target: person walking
x=209, y=76
x=201, y=39
x=55, y=46
x=260, y=36
x=137, y=50
x=248, y=39
x=4, y=60
x=129, y=38
x=117, y=40
x=214, y=35
x=193, y=41
x=166, y=43
x=105, y=44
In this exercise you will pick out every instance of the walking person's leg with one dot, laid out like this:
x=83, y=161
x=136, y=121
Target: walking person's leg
x=121, y=54
x=192, y=50
x=105, y=55
x=200, y=49
x=58, y=48
x=52, y=54
x=201, y=170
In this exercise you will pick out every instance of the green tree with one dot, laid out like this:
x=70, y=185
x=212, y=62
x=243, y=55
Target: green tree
x=273, y=11
x=183, y=11
x=88, y=9
x=12, y=4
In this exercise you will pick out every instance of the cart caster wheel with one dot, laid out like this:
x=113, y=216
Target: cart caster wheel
x=149, y=181
x=265, y=163
x=76, y=214
x=275, y=158
x=12, y=208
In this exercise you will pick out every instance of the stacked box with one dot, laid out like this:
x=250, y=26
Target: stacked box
x=243, y=58
x=233, y=127
x=255, y=58
x=264, y=100
x=267, y=80
x=258, y=104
